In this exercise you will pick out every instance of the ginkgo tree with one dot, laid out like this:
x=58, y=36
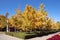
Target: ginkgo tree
x=16, y=20
x=31, y=19
x=2, y=21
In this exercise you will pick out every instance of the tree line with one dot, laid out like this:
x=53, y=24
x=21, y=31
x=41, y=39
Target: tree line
x=30, y=20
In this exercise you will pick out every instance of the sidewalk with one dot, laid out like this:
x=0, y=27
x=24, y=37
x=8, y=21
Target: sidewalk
x=6, y=37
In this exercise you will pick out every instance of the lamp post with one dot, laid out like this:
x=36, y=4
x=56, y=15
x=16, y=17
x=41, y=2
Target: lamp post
x=7, y=27
x=7, y=22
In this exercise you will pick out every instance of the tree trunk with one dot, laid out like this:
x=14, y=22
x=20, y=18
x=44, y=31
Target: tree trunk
x=15, y=29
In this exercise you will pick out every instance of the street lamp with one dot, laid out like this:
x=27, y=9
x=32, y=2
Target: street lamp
x=7, y=22
x=7, y=27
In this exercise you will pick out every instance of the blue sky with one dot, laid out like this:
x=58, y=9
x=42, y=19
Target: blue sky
x=52, y=7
